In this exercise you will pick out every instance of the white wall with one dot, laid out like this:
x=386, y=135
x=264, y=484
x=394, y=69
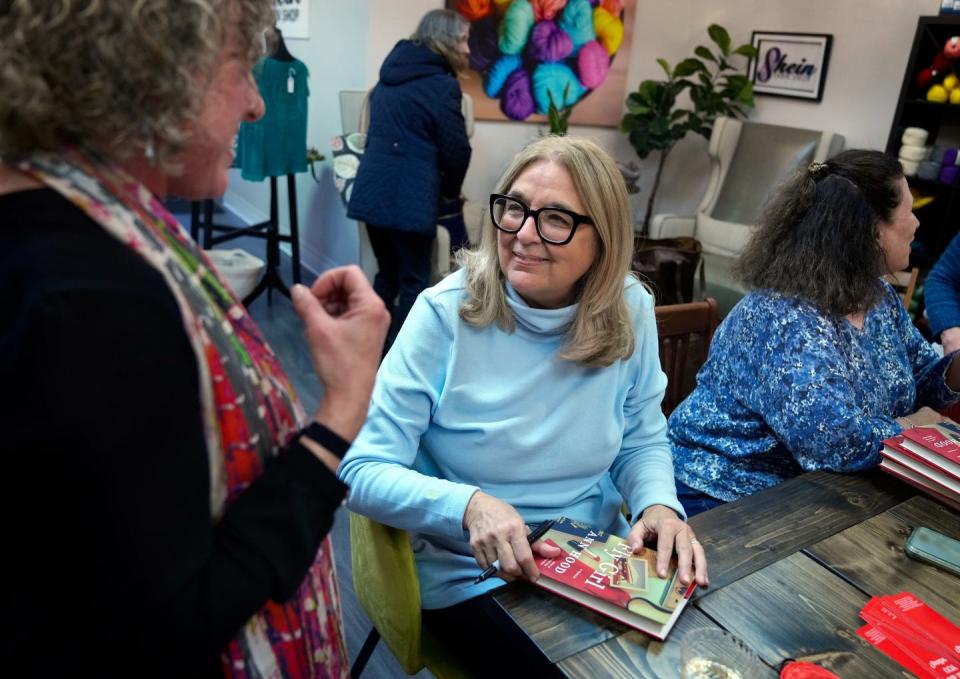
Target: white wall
x=871, y=45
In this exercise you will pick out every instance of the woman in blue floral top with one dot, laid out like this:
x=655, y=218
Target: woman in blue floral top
x=820, y=362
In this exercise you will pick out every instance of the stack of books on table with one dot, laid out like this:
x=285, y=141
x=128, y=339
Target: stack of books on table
x=927, y=457
x=906, y=630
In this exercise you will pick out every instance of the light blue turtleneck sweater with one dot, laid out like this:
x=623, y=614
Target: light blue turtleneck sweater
x=456, y=409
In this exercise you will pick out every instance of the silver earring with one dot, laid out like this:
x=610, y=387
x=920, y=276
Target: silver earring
x=150, y=151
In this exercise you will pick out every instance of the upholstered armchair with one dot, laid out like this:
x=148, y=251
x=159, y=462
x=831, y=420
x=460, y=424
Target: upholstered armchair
x=747, y=162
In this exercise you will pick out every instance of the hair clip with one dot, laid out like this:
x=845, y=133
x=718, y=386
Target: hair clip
x=816, y=169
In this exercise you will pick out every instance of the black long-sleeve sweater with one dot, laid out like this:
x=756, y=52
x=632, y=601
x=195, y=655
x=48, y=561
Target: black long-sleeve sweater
x=113, y=564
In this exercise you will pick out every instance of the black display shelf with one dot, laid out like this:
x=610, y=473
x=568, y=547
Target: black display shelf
x=945, y=108
x=940, y=219
x=931, y=184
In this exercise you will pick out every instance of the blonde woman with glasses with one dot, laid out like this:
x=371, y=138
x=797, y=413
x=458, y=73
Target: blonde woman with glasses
x=524, y=387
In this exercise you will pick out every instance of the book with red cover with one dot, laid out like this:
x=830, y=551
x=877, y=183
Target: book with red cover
x=937, y=444
x=934, y=475
x=921, y=482
x=885, y=645
x=599, y=571
x=927, y=457
x=944, y=471
x=910, y=632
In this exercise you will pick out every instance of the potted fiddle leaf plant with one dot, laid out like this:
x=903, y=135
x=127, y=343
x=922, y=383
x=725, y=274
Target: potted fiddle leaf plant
x=714, y=80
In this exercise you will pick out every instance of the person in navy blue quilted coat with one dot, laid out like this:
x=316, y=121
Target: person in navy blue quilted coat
x=416, y=155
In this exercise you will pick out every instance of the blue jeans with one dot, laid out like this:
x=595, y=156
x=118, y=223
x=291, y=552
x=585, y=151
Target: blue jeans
x=695, y=501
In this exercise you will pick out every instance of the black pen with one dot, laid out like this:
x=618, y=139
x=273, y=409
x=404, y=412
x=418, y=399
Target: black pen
x=532, y=537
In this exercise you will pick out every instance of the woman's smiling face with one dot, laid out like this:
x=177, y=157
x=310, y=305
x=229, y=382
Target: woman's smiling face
x=543, y=274
x=233, y=97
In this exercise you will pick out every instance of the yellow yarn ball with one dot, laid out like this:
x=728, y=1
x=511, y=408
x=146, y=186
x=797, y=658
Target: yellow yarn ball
x=951, y=82
x=937, y=94
x=955, y=96
x=609, y=30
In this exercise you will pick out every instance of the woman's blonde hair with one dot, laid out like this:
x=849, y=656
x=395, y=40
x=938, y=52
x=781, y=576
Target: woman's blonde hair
x=112, y=74
x=440, y=30
x=602, y=330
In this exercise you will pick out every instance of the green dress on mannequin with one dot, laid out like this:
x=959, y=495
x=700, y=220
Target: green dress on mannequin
x=276, y=144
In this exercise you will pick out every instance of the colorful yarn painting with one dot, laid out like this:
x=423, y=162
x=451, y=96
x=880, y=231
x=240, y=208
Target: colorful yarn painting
x=483, y=43
x=516, y=101
x=474, y=10
x=527, y=48
x=498, y=73
x=593, y=62
x=556, y=79
x=609, y=29
x=546, y=9
x=577, y=21
x=515, y=27
x=549, y=43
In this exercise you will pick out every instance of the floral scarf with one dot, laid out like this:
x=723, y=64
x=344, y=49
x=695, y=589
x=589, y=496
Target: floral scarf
x=249, y=408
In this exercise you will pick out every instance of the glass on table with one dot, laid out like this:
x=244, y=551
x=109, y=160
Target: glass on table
x=713, y=653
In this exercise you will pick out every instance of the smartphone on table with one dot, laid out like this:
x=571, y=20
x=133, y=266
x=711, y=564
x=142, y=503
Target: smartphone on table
x=926, y=544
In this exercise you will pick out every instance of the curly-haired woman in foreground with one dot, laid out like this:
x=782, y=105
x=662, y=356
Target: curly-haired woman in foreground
x=166, y=507
x=820, y=362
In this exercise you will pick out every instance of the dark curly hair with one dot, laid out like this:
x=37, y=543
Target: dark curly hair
x=817, y=238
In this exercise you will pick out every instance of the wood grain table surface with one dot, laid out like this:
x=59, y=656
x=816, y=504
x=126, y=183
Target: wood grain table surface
x=790, y=568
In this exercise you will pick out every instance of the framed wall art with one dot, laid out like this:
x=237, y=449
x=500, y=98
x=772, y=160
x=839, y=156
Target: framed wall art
x=524, y=52
x=790, y=64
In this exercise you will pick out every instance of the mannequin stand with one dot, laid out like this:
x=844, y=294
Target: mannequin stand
x=268, y=230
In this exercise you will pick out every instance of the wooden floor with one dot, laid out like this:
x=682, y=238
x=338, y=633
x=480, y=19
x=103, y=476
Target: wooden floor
x=281, y=326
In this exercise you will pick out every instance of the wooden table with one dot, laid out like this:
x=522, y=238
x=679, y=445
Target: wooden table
x=790, y=568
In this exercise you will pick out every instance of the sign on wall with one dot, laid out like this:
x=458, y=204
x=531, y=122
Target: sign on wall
x=790, y=64
x=293, y=18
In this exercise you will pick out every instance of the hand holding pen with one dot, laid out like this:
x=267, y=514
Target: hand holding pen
x=499, y=533
x=532, y=537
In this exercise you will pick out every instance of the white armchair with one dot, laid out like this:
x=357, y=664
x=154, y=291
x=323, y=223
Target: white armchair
x=351, y=111
x=747, y=162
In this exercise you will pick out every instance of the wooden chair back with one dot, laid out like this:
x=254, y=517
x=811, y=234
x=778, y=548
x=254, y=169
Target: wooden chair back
x=904, y=282
x=678, y=327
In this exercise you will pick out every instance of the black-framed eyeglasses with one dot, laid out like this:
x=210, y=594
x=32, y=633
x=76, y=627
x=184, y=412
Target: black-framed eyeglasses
x=555, y=225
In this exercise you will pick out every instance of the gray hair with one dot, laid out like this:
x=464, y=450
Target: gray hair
x=112, y=74
x=440, y=30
